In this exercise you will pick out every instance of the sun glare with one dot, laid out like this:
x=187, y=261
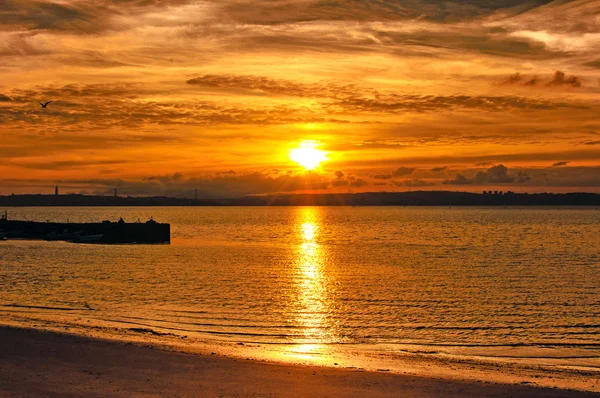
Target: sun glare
x=307, y=155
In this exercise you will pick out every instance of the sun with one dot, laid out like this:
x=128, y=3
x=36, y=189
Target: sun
x=307, y=155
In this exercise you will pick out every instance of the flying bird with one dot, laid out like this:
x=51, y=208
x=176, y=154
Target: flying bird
x=44, y=105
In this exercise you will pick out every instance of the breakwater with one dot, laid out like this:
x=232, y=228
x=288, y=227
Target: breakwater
x=106, y=232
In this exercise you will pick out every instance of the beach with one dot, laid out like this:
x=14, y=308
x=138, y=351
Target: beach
x=40, y=363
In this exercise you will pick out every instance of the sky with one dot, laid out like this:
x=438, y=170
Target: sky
x=162, y=97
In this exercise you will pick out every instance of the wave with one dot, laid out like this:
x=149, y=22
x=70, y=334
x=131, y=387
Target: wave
x=44, y=307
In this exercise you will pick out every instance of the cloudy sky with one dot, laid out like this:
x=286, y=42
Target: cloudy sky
x=167, y=96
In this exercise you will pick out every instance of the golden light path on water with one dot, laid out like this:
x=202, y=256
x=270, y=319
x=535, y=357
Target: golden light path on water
x=313, y=302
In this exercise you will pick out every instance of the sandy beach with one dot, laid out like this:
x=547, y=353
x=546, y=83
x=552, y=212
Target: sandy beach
x=39, y=363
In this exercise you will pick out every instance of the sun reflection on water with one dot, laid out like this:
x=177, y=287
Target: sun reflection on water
x=309, y=230
x=311, y=298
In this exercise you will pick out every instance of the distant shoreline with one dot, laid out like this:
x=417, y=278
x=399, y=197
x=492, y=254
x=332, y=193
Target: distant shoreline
x=413, y=198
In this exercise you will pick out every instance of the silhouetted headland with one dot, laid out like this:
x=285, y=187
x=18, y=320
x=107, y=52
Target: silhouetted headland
x=414, y=198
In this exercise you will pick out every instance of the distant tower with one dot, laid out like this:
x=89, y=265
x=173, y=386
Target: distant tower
x=56, y=190
x=195, y=194
x=115, y=192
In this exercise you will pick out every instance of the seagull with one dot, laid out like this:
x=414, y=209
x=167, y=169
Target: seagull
x=44, y=105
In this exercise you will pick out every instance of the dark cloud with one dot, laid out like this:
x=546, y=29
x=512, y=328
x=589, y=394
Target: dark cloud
x=240, y=184
x=46, y=15
x=391, y=104
x=403, y=171
x=4, y=98
x=267, y=85
x=166, y=178
x=77, y=17
x=428, y=40
x=257, y=83
x=475, y=38
x=20, y=44
x=572, y=155
x=565, y=177
x=91, y=59
x=438, y=169
x=434, y=28
x=232, y=172
x=218, y=185
x=250, y=24
x=382, y=176
x=123, y=105
x=104, y=106
x=572, y=17
x=67, y=92
x=415, y=183
x=358, y=182
x=494, y=175
x=591, y=143
x=522, y=177
x=561, y=79
x=513, y=79
x=339, y=180
x=458, y=180
x=532, y=82
x=353, y=99
x=558, y=79
x=274, y=12
x=558, y=164
x=593, y=64
x=339, y=183
x=283, y=43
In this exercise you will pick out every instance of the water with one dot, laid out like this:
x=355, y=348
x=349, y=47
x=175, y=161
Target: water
x=480, y=282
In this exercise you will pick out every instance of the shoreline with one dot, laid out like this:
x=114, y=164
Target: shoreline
x=401, y=361
x=51, y=363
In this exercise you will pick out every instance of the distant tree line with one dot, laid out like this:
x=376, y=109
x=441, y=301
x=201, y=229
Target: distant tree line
x=415, y=198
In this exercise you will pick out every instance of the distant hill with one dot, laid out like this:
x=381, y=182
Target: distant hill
x=88, y=200
x=415, y=198
x=426, y=198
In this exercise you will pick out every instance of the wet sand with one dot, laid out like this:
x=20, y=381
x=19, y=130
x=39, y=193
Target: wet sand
x=39, y=363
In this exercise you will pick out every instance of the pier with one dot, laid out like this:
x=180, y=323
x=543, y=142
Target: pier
x=105, y=232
